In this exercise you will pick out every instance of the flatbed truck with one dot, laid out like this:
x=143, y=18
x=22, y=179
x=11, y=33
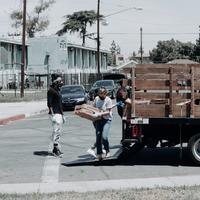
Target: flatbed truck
x=164, y=109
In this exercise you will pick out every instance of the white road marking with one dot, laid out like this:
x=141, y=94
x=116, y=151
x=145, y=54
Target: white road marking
x=50, y=173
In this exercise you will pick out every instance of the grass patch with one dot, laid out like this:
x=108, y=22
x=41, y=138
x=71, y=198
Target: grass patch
x=178, y=193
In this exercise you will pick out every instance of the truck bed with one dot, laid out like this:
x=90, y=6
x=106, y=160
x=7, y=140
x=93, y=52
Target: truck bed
x=165, y=91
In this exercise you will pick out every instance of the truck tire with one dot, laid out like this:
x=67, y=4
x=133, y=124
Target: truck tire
x=194, y=148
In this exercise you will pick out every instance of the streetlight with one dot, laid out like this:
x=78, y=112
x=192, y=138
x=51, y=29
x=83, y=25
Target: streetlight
x=141, y=48
x=124, y=10
x=98, y=31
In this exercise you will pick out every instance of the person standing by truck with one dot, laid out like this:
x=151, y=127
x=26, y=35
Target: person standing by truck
x=121, y=96
x=102, y=126
x=54, y=103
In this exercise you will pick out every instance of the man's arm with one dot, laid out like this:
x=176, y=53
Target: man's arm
x=50, y=101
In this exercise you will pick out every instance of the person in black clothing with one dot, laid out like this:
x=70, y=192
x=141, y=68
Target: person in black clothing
x=54, y=103
x=121, y=96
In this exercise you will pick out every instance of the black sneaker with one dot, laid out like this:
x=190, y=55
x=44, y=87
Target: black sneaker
x=56, y=152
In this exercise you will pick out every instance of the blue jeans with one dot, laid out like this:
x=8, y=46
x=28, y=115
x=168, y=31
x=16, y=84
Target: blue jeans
x=102, y=132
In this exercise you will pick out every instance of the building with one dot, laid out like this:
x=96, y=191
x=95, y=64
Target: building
x=76, y=63
x=145, y=57
x=182, y=61
x=119, y=59
x=10, y=62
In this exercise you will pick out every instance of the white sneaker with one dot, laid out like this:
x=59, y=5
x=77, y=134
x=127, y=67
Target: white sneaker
x=104, y=151
x=108, y=155
x=100, y=156
x=91, y=152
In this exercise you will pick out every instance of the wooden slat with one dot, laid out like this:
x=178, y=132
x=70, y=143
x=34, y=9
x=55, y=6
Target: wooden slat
x=133, y=93
x=192, y=93
x=148, y=95
x=181, y=111
x=196, y=69
x=151, y=110
x=151, y=84
x=196, y=95
x=162, y=84
x=196, y=111
x=164, y=95
x=152, y=66
x=164, y=68
x=197, y=85
x=152, y=76
x=170, y=92
x=166, y=76
x=151, y=71
x=161, y=110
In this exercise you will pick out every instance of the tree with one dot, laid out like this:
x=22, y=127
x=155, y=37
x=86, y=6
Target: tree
x=114, y=49
x=35, y=22
x=196, y=54
x=166, y=51
x=78, y=22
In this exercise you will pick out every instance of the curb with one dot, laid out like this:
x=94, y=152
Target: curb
x=4, y=121
x=91, y=186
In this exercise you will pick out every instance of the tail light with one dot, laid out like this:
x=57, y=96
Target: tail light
x=135, y=132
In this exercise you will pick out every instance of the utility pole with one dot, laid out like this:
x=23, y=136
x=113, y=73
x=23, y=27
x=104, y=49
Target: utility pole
x=23, y=59
x=141, y=48
x=47, y=62
x=98, y=40
x=199, y=34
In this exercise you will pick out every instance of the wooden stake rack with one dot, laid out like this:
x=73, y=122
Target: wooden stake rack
x=165, y=91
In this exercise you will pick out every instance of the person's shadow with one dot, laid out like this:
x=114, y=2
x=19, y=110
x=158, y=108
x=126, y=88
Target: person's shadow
x=42, y=153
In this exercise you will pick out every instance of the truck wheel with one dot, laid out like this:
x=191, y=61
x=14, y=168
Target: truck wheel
x=194, y=148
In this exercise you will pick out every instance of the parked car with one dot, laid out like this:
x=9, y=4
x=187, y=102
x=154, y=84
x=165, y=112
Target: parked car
x=116, y=77
x=73, y=95
x=108, y=84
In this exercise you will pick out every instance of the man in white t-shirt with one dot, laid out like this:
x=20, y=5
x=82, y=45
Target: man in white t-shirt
x=104, y=104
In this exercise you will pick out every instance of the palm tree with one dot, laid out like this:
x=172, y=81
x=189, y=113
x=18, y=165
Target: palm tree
x=78, y=21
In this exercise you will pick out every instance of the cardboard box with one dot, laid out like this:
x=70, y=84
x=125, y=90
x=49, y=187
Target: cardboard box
x=88, y=112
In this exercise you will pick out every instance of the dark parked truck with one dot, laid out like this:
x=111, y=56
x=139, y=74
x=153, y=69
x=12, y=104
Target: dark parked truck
x=164, y=109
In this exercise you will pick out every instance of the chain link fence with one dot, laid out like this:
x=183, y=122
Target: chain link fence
x=12, y=81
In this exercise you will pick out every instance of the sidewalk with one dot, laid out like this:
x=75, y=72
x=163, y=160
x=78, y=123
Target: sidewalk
x=91, y=186
x=20, y=110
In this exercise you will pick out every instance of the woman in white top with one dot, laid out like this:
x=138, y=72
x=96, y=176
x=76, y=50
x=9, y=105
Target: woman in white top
x=104, y=104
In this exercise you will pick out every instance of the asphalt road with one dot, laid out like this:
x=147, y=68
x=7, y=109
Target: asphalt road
x=24, y=154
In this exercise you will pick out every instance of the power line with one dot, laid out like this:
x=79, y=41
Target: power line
x=150, y=33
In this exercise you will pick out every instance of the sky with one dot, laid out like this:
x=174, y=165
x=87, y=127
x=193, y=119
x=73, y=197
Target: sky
x=159, y=19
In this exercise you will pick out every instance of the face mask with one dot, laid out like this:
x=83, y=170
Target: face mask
x=102, y=98
x=60, y=84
